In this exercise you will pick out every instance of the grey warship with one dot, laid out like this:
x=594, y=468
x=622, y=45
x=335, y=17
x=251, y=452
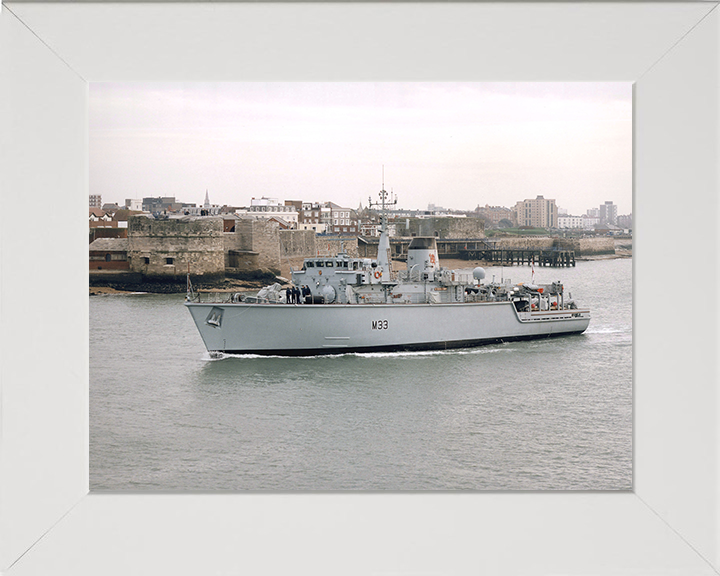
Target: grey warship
x=360, y=305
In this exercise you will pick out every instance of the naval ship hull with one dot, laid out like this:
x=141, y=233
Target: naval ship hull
x=309, y=330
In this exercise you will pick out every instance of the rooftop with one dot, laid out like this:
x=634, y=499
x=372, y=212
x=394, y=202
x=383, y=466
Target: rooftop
x=109, y=245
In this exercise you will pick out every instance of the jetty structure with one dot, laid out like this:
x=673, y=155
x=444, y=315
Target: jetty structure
x=489, y=251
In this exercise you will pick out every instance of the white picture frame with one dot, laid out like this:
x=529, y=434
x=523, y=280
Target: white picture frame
x=49, y=523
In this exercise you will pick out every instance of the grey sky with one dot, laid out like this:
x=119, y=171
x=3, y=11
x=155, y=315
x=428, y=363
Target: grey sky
x=456, y=145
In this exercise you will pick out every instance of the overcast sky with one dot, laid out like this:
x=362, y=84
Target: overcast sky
x=456, y=145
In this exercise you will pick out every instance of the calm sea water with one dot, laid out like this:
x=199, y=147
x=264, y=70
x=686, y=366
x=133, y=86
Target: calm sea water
x=537, y=415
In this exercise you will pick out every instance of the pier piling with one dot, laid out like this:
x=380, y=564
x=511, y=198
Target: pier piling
x=554, y=258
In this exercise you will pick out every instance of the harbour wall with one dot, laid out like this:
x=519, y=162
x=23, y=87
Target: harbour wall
x=261, y=245
x=332, y=245
x=447, y=228
x=596, y=245
x=523, y=243
x=587, y=246
x=254, y=245
x=167, y=249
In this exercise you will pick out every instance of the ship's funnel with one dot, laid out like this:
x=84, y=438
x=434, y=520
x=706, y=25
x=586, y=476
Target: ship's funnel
x=422, y=254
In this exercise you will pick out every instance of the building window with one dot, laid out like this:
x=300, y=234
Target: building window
x=169, y=260
x=146, y=260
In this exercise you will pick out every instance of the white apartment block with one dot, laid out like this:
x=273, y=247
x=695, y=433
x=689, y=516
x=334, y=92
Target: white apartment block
x=589, y=222
x=134, y=204
x=266, y=208
x=608, y=213
x=570, y=222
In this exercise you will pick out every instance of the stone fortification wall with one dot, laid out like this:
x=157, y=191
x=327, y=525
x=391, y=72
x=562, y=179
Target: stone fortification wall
x=524, y=243
x=259, y=246
x=445, y=227
x=254, y=245
x=297, y=243
x=163, y=249
x=333, y=245
x=588, y=246
x=581, y=246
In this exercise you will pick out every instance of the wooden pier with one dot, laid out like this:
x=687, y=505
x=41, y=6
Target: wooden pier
x=553, y=257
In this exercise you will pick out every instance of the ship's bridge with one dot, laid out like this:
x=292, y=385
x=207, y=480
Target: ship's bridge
x=338, y=262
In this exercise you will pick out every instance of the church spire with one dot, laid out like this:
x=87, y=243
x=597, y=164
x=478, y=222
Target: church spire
x=207, y=200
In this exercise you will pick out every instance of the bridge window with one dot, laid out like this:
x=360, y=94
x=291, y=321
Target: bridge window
x=310, y=264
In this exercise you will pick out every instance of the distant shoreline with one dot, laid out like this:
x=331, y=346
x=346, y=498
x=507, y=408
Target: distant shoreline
x=232, y=285
x=117, y=286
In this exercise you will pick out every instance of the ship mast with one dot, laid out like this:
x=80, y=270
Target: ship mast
x=384, y=261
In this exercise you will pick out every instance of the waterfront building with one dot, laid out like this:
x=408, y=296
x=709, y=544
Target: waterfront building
x=570, y=222
x=608, y=213
x=538, y=213
x=134, y=204
x=342, y=220
x=589, y=222
x=98, y=218
x=310, y=217
x=109, y=254
x=121, y=216
x=207, y=209
x=625, y=222
x=371, y=229
x=495, y=214
x=160, y=204
x=266, y=208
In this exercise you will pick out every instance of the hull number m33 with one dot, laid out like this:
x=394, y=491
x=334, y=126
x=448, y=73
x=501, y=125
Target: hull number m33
x=379, y=324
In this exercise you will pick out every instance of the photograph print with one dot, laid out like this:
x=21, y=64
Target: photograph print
x=360, y=286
